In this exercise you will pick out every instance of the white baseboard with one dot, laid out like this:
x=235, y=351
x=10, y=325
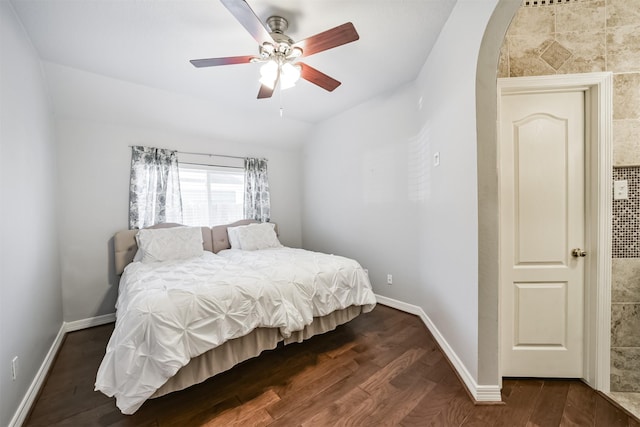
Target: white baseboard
x=481, y=393
x=90, y=322
x=32, y=393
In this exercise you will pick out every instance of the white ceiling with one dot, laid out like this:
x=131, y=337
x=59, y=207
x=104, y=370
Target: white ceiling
x=149, y=43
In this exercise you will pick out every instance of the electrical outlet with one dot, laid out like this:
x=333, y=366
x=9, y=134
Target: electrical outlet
x=14, y=368
x=389, y=279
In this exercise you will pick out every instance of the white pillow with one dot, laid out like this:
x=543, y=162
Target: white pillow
x=138, y=256
x=234, y=241
x=258, y=236
x=164, y=244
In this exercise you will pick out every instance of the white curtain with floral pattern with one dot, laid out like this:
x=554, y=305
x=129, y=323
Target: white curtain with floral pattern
x=154, y=189
x=257, y=204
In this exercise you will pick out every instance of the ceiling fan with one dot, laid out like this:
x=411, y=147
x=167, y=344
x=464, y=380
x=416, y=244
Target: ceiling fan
x=278, y=53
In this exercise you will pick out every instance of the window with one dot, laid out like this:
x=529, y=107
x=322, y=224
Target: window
x=211, y=195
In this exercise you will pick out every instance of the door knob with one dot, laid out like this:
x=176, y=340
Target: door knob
x=578, y=253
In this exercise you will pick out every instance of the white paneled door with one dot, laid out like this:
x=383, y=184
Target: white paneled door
x=542, y=179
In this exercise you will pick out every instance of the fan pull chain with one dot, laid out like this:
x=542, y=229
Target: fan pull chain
x=280, y=96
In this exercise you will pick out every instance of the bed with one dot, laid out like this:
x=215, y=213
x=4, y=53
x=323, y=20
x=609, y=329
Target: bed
x=181, y=320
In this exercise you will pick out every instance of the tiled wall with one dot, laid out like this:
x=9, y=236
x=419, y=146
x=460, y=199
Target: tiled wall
x=581, y=36
x=626, y=215
x=625, y=292
x=625, y=325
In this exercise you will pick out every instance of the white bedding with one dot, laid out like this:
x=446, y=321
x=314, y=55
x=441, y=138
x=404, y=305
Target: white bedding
x=171, y=311
x=336, y=282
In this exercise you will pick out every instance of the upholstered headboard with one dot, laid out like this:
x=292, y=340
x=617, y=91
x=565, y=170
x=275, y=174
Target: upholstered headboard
x=221, y=238
x=125, y=246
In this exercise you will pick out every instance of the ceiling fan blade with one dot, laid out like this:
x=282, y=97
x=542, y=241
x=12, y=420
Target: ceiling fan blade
x=265, y=92
x=229, y=60
x=318, y=78
x=249, y=20
x=342, y=34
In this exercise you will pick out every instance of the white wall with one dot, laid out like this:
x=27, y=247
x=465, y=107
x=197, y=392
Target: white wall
x=30, y=298
x=361, y=185
x=371, y=191
x=94, y=160
x=449, y=234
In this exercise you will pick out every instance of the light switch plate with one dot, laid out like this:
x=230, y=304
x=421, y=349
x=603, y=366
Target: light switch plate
x=621, y=190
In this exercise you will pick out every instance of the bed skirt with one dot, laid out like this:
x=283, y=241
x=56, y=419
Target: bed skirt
x=229, y=354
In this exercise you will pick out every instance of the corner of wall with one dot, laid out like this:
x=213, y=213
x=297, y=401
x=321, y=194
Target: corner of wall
x=488, y=218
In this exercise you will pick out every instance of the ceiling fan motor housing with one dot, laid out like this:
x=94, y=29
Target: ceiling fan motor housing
x=282, y=42
x=277, y=24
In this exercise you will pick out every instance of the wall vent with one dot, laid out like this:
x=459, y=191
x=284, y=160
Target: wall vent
x=538, y=3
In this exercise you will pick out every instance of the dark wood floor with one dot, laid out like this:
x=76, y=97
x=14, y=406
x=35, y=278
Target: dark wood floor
x=382, y=368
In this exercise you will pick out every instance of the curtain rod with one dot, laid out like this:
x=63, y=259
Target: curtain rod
x=212, y=155
x=207, y=154
x=218, y=166
x=216, y=155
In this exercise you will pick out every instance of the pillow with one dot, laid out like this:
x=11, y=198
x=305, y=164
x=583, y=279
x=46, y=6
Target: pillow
x=138, y=256
x=258, y=236
x=164, y=244
x=234, y=241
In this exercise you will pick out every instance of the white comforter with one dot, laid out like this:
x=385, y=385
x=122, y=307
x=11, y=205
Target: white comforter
x=169, y=312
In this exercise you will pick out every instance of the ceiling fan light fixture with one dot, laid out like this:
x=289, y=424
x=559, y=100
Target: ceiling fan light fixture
x=289, y=75
x=270, y=83
x=296, y=52
x=284, y=48
x=268, y=73
x=269, y=70
x=267, y=49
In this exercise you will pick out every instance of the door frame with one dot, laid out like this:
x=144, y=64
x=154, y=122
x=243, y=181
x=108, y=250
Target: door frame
x=598, y=89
